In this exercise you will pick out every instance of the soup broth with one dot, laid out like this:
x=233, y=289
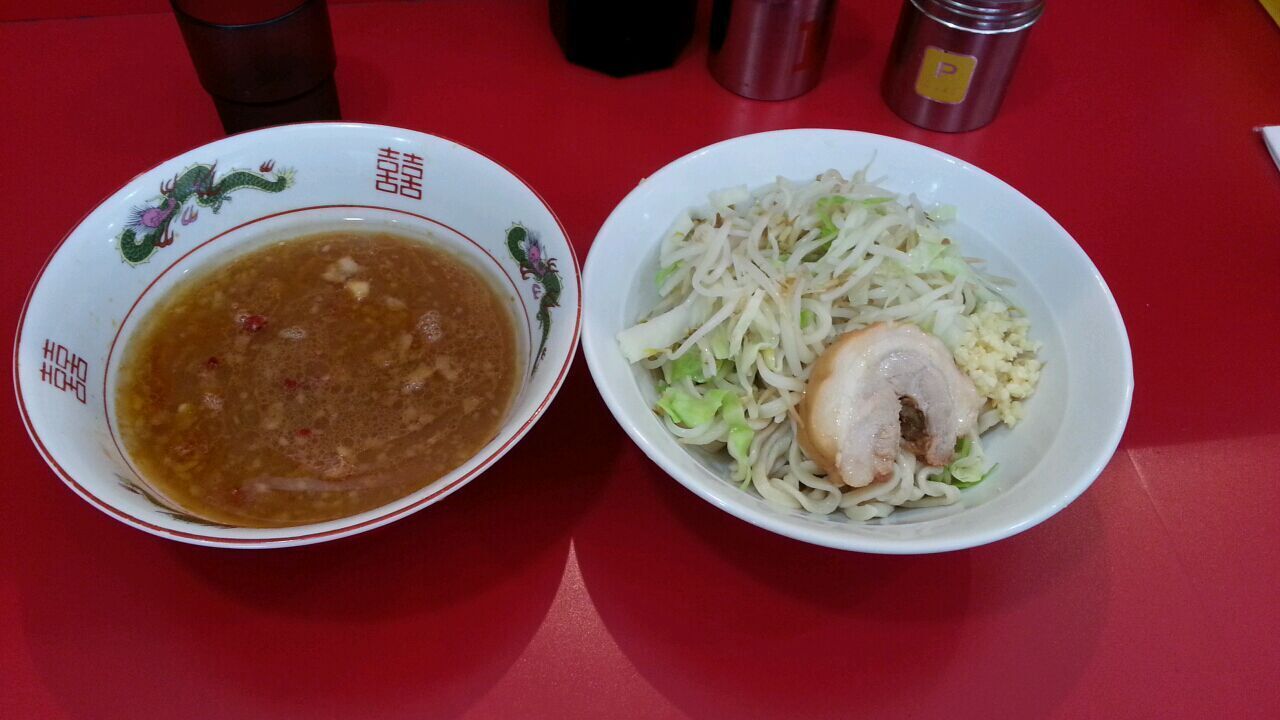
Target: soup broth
x=316, y=378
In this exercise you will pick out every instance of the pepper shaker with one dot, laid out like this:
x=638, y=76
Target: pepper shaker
x=770, y=49
x=952, y=60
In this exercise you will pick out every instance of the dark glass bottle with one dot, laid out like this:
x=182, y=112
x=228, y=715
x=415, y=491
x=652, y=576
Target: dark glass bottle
x=264, y=62
x=623, y=37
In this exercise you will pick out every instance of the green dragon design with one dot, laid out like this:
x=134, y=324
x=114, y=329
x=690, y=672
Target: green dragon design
x=150, y=228
x=531, y=256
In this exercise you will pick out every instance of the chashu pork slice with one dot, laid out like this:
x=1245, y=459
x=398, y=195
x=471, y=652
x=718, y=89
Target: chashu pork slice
x=879, y=388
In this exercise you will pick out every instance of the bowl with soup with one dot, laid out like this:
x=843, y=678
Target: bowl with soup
x=296, y=334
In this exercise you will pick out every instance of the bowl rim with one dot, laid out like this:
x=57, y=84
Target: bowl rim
x=594, y=349
x=301, y=538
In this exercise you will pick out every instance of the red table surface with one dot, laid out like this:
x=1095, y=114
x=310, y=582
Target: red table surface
x=575, y=579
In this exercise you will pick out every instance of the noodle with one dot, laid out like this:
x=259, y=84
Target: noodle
x=756, y=286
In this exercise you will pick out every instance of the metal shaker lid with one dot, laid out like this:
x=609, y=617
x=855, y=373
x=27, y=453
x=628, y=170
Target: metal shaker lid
x=983, y=16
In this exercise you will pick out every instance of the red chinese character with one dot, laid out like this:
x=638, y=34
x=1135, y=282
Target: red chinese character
x=388, y=167
x=65, y=370
x=410, y=187
x=80, y=368
x=411, y=176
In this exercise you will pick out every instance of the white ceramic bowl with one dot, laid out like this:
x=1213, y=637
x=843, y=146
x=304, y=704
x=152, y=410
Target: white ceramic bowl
x=1074, y=421
x=176, y=217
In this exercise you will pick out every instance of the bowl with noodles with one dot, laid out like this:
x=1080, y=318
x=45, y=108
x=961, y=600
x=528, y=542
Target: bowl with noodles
x=856, y=341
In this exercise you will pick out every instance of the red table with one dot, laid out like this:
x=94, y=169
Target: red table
x=575, y=579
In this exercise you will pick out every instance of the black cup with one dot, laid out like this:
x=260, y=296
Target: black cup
x=264, y=63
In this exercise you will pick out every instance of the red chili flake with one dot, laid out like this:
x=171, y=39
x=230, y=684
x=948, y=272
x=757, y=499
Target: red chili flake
x=291, y=384
x=304, y=432
x=252, y=323
x=212, y=363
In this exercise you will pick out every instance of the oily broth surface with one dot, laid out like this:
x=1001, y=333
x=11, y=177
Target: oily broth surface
x=316, y=378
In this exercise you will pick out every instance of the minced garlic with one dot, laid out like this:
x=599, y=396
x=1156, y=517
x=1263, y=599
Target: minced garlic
x=1000, y=359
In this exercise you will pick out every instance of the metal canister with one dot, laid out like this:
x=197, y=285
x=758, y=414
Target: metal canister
x=952, y=60
x=770, y=49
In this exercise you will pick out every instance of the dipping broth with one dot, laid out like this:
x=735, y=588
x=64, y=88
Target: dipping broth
x=316, y=378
